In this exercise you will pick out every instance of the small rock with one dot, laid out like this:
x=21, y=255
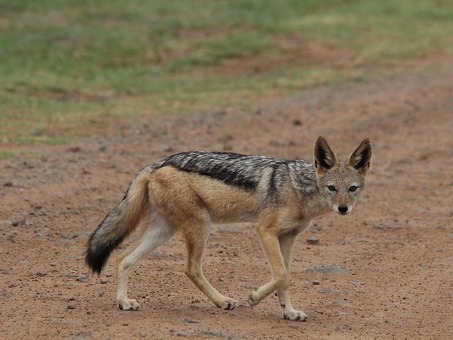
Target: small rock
x=315, y=282
x=189, y=321
x=103, y=281
x=315, y=227
x=313, y=240
x=71, y=306
x=8, y=184
x=18, y=223
x=80, y=278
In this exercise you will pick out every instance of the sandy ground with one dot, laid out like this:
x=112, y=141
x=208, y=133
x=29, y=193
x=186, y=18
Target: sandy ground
x=383, y=272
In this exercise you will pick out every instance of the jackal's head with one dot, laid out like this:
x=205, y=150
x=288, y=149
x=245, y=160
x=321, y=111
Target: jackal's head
x=341, y=183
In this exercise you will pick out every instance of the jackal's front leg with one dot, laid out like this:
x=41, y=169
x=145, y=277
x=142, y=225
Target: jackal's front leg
x=278, y=250
x=286, y=247
x=280, y=277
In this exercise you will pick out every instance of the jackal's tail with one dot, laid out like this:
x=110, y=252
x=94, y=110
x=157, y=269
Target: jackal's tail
x=118, y=223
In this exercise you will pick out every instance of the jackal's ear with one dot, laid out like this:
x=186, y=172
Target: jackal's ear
x=360, y=159
x=325, y=158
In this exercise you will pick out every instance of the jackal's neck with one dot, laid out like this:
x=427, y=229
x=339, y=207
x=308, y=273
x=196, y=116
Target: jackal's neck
x=315, y=205
x=303, y=178
x=303, y=181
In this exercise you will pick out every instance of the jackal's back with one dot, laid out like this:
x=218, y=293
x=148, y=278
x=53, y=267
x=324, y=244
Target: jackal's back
x=245, y=171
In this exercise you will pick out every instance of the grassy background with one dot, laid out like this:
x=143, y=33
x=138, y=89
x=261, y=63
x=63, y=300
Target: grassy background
x=73, y=67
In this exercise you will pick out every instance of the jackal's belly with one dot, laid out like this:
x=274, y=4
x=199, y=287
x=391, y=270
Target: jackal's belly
x=229, y=214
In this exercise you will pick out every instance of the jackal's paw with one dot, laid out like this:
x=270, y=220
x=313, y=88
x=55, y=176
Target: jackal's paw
x=228, y=304
x=295, y=315
x=253, y=299
x=128, y=304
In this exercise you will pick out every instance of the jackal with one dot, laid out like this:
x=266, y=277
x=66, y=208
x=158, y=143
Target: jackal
x=189, y=190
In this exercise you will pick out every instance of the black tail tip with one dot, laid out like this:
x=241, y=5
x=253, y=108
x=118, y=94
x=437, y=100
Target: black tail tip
x=99, y=248
x=95, y=262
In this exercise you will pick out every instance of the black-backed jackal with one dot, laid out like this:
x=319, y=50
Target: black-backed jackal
x=188, y=191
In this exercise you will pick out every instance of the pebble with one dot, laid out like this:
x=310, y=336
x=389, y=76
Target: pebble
x=18, y=223
x=189, y=321
x=313, y=240
x=71, y=306
x=80, y=278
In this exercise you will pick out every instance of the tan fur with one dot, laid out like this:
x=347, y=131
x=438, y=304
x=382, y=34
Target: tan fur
x=177, y=200
x=177, y=193
x=138, y=203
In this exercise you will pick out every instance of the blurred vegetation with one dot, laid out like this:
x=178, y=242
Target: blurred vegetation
x=74, y=67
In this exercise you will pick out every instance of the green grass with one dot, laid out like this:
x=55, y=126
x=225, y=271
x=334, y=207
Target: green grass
x=5, y=154
x=65, y=64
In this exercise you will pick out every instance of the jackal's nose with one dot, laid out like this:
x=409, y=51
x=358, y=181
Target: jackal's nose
x=343, y=209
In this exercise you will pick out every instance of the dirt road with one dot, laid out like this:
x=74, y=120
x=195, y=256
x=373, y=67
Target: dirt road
x=385, y=271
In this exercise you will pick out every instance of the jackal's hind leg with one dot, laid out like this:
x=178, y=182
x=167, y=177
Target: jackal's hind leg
x=196, y=241
x=156, y=233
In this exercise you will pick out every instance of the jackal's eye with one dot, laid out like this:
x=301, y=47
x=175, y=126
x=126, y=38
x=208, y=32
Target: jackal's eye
x=353, y=188
x=331, y=188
